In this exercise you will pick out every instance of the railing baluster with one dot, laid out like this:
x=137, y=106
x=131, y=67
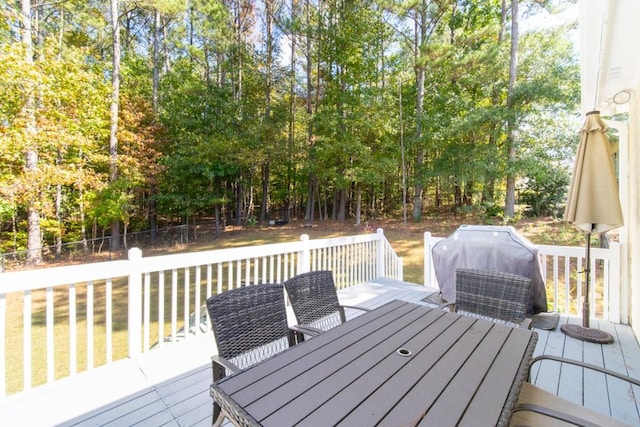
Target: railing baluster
x=51, y=367
x=238, y=273
x=186, y=301
x=269, y=264
x=174, y=304
x=90, y=325
x=109, y=319
x=279, y=268
x=26, y=343
x=146, y=311
x=256, y=276
x=196, y=301
x=161, y=307
x=73, y=340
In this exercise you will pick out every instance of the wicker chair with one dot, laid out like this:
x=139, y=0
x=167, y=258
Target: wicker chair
x=494, y=295
x=315, y=303
x=249, y=325
x=538, y=407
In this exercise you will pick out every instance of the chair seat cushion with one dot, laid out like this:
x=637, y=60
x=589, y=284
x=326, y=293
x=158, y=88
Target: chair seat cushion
x=538, y=396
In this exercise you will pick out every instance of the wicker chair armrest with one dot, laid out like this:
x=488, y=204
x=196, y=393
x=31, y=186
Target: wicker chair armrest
x=307, y=330
x=299, y=332
x=553, y=413
x=219, y=364
x=526, y=323
x=584, y=365
x=356, y=307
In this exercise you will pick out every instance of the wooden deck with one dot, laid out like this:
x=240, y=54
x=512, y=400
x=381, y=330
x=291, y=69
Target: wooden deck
x=170, y=386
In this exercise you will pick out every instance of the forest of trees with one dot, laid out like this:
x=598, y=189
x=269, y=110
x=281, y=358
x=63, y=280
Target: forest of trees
x=127, y=115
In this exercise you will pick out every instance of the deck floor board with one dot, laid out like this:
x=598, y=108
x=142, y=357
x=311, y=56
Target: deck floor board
x=183, y=399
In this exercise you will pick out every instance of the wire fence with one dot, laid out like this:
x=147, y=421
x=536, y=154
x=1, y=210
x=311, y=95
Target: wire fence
x=99, y=249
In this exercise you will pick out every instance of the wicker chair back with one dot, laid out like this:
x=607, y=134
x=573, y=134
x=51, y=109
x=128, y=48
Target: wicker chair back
x=314, y=300
x=249, y=323
x=492, y=294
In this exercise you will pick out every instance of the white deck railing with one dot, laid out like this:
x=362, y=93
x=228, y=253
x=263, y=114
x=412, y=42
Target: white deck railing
x=562, y=270
x=56, y=322
x=59, y=321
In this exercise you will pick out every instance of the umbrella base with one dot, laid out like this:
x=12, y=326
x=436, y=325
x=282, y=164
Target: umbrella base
x=587, y=334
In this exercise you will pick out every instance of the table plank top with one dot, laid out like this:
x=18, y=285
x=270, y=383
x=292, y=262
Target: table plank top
x=400, y=364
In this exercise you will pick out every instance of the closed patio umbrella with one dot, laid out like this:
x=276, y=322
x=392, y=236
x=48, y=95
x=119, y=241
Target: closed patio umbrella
x=593, y=206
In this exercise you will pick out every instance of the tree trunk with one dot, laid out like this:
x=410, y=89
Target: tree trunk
x=510, y=196
x=157, y=24
x=292, y=118
x=156, y=60
x=358, y=205
x=217, y=221
x=342, y=205
x=34, y=240
x=239, y=201
x=420, y=38
x=308, y=216
x=83, y=230
x=264, y=209
x=115, y=98
x=467, y=198
x=404, y=165
x=58, y=203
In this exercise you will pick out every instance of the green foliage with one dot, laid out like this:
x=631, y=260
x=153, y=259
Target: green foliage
x=545, y=191
x=234, y=114
x=112, y=203
x=6, y=211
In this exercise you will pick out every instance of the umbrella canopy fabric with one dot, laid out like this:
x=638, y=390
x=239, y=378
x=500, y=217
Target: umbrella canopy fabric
x=593, y=204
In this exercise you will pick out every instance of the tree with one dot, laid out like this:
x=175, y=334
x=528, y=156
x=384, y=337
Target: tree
x=510, y=198
x=115, y=100
x=34, y=239
x=208, y=119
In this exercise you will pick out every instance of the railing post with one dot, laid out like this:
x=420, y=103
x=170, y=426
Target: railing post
x=304, y=261
x=135, y=302
x=427, y=259
x=429, y=271
x=380, y=263
x=615, y=289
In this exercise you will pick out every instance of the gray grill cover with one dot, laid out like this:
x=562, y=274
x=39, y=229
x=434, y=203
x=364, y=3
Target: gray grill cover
x=498, y=248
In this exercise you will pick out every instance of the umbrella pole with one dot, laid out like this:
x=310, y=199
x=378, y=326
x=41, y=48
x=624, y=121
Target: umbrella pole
x=587, y=270
x=584, y=332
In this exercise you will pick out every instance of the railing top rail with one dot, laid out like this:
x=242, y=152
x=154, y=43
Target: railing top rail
x=58, y=276
x=575, y=251
x=187, y=259
x=347, y=240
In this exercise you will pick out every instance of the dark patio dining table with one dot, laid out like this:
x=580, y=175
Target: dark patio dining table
x=401, y=364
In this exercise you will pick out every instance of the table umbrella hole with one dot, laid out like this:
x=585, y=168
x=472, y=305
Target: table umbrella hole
x=405, y=352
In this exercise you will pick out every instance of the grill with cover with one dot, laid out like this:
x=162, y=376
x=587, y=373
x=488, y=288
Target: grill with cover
x=498, y=248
